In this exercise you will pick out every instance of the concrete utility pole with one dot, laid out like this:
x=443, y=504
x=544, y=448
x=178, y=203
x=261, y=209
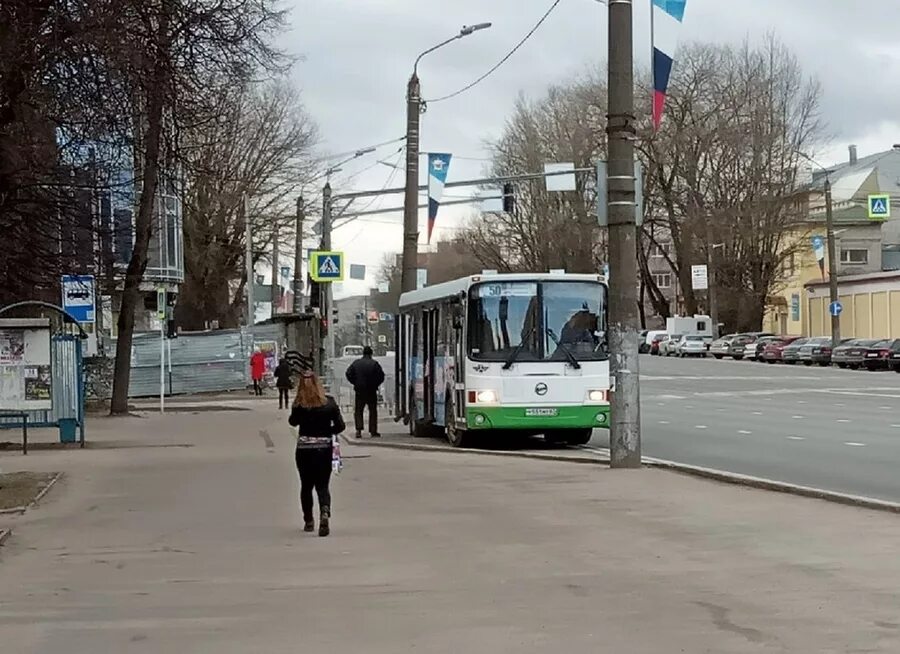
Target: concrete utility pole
x=328, y=304
x=248, y=255
x=276, y=273
x=712, y=290
x=625, y=427
x=832, y=263
x=298, y=259
x=411, y=195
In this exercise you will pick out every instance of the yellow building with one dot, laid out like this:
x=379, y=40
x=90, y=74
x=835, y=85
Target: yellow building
x=871, y=306
x=861, y=247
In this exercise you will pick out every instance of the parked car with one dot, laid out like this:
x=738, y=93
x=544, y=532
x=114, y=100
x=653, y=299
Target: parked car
x=772, y=350
x=807, y=347
x=791, y=353
x=644, y=346
x=754, y=349
x=691, y=345
x=657, y=342
x=852, y=354
x=878, y=356
x=895, y=358
x=821, y=352
x=733, y=345
x=668, y=347
x=651, y=336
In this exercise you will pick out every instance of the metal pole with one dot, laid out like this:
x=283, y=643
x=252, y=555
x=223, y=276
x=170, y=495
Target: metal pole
x=298, y=259
x=625, y=425
x=162, y=365
x=712, y=290
x=248, y=255
x=276, y=273
x=329, y=291
x=169, y=358
x=832, y=264
x=411, y=193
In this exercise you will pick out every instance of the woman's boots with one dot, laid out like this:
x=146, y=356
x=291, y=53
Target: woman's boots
x=324, y=527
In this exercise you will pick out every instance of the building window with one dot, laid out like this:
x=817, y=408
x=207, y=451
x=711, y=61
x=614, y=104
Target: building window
x=663, y=280
x=854, y=257
x=659, y=251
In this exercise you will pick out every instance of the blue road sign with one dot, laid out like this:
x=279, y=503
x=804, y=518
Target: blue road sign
x=327, y=266
x=835, y=308
x=880, y=206
x=78, y=296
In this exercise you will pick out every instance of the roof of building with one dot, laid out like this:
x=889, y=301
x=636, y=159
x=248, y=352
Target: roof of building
x=876, y=173
x=867, y=277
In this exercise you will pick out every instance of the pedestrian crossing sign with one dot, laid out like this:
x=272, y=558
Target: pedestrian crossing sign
x=880, y=207
x=326, y=266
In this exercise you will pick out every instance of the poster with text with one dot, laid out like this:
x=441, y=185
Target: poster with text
x=37, y=383
x=12, y=346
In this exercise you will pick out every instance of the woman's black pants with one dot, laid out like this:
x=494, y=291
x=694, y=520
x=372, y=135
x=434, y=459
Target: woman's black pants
x=314, y=467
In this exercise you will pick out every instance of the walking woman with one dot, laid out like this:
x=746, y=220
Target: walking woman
x=319, y=419
x=284, y=384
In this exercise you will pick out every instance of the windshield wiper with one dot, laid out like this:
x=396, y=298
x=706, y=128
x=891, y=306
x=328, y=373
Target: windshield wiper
x=515, y=353
x=566, y=350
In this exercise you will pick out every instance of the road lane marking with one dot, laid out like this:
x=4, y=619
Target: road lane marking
x=672, y=397
x=757, y=413
x=801, y=401
x=854, y=444
x=897, y=426
x=843, y=420
x=744, y=432
x=797, y=417
x=664, y=422
x=700, y=427
x=885, y=408
x=796, y=438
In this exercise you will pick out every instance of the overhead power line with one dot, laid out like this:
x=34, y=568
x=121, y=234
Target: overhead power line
x=368, y=147
x=502, y=61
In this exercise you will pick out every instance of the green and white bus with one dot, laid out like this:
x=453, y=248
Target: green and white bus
x=524, y=353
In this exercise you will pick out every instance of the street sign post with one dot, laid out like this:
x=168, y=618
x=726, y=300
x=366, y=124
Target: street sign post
x=78, y=297
x=325, y=266
x=835, y=308
x=699, y=277
x=879, y=206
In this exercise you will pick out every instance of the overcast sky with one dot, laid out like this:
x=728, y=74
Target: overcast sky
x=358, y=55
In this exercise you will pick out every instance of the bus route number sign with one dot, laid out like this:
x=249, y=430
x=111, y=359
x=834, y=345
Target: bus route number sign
x=513, y=289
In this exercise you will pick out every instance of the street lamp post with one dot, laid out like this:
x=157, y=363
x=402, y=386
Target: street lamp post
x=832, y=257
x=411, y=195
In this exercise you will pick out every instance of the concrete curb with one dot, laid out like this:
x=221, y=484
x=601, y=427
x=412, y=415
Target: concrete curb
x=421, y=447
x=771, y=485
x=46, y=490
x=4, y=535
x=16, y=510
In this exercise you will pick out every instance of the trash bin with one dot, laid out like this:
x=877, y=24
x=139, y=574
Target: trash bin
x=67, y=430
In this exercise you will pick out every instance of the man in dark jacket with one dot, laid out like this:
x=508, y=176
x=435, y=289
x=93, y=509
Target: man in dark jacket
x=366, y=376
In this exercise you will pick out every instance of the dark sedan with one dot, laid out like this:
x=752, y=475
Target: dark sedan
x=791, y=354
x=878, y=356
x=821, y=354
x=806, y=350
x=853, y=353
x=895, y=360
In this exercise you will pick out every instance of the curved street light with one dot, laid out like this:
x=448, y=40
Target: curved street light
x=411, y=197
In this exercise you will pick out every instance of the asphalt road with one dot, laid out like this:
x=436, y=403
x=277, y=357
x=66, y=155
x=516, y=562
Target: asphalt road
x=833, y=429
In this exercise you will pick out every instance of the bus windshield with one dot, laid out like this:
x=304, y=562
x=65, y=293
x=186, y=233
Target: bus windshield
x=538, y=321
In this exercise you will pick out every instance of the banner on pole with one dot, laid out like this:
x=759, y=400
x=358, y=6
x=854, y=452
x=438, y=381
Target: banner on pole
x=438, y=165
x=666, y=17
x=818, y=245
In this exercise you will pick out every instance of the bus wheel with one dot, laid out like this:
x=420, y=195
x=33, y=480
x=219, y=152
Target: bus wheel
x=579, y=436
x=455, y=436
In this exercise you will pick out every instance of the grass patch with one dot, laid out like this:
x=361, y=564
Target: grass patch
x=21, y=488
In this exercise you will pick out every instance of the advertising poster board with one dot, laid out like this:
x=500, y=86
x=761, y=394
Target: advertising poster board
x=25, y=374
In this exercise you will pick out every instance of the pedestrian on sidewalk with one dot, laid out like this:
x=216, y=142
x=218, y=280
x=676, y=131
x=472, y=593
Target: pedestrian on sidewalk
x=284, y=383
x=366, y=376
x=319, y=421
x=257, y=371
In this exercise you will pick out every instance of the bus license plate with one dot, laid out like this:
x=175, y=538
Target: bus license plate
x=541, y=413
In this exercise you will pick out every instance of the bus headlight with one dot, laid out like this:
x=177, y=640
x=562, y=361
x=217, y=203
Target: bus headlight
x=486, y=397
x=598, y=396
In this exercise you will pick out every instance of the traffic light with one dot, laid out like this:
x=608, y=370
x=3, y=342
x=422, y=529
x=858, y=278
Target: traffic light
x=334, y=316
x=315, y=294
x=509, y=199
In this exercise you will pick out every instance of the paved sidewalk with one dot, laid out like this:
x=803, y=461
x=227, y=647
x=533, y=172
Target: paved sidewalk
x=193, y=545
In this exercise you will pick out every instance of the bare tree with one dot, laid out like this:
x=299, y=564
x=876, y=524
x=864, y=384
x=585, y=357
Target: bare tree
x=259, y=145
x=173, y=59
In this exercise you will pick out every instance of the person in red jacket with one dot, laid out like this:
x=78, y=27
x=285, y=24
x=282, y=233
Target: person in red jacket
x=257, y=370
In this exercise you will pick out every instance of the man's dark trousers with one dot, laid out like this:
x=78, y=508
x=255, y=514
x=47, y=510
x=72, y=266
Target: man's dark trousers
x=366, y=400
